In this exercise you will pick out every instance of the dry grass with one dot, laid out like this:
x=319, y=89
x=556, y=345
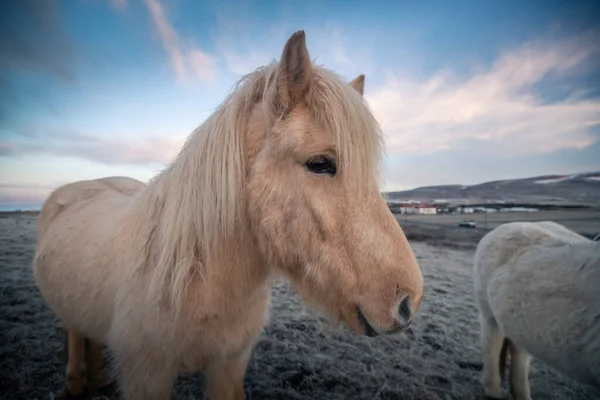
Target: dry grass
x=582, y=221
x=443, y=230
x=299, y=355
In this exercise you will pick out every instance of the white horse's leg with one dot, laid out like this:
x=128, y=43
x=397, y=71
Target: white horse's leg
x=519, y=374
x=145, y=376
x=76, y=372
x=98, y=374
x=225, y=377
x=491, y=346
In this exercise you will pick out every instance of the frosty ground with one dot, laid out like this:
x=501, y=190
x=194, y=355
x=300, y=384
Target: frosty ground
x=299, y=355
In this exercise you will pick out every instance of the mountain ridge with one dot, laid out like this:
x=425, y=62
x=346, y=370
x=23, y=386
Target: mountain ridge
x=566, y=189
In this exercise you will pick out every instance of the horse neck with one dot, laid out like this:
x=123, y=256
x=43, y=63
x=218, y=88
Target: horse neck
x=235, y=261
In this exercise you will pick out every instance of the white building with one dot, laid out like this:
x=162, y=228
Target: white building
x=412, y=208
x=427, y=210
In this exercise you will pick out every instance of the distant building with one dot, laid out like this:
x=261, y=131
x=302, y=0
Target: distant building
x=427, y=210
x=414, y=208
x=484, y=209
x=519, y=209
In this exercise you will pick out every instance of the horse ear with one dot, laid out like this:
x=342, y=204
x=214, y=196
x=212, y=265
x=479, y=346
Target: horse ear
x=294, y=74
x=359, y=84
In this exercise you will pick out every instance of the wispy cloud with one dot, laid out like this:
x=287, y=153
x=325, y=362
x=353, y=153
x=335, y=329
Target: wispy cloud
x=186, y=58
x=26, y=194
x=150, y=150
x=327, y=45
x=502, y=112
x=473, y=161
x=497, y=121
x=502, y=104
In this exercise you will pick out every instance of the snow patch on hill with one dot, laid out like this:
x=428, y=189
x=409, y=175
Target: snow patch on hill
x=556, y=180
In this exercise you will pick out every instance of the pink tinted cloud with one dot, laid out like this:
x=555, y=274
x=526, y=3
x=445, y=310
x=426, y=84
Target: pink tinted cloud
x=187, y=60
x=24, y=194
x=150, y=150
x=497, y=104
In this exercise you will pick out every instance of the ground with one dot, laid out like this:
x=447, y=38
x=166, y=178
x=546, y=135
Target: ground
x=579, y=220
x=299, y=356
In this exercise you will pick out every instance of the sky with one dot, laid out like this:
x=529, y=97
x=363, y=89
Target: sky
x=465, y=91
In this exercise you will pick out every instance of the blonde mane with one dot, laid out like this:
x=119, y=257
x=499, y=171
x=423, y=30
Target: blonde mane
x=197, y=200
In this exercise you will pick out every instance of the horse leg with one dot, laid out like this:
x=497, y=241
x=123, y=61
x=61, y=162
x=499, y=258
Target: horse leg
x=99, y=376
x=519, y=374
x=491, y=344
x=76, y=371
x=144, y=376
x=225, y=377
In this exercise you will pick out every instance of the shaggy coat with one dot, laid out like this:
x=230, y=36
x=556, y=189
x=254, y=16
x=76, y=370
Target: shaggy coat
x=537, y=286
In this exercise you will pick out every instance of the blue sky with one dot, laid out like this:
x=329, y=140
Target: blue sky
x=466, y=91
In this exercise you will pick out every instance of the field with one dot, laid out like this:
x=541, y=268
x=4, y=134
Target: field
x=582, y=221
x=443, y=229
x=299, y=355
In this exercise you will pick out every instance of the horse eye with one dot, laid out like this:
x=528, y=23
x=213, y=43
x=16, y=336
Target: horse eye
x=322, y=165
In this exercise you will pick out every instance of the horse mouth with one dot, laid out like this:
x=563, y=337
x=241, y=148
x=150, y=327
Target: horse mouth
x=371, y=332
x=368, y=329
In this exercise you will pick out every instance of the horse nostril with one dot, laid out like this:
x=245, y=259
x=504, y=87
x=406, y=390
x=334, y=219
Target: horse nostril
x=404, y=309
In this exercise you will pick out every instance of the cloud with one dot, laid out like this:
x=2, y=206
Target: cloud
x=119, y=5
x=133, y=151
x=475, y=161
x=529, y=102
x=497, y=122
x=202, y=65
x=501, y=104
x=187, y=59
x=24, y=194
x=243, y=47
x=6, y=149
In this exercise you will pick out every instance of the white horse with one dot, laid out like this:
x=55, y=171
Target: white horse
x=173, y=276
x=537, y=286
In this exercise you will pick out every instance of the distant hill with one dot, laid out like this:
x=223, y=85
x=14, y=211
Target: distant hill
x=574, y=189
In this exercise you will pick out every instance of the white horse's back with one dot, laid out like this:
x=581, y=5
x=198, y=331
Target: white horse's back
x=547, y=301
x=81, y=192
x=537, y=286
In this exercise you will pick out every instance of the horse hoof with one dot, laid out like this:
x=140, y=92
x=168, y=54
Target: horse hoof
x=109, y=390
x=65, y=395
x=494, y=395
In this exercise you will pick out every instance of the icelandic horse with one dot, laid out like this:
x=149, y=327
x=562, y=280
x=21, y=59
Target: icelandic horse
x=173, y=276
x=537, y=287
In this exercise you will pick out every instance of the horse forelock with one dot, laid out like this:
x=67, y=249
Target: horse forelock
x=342, y=112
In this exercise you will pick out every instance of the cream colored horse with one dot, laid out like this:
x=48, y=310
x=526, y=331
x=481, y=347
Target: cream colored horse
x=538, y=290
x=282, y=180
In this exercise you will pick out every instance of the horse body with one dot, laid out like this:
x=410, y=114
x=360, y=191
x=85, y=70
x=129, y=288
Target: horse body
x=174, y=275
x=537, y=289
x=75, y=216
x=91, y=225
